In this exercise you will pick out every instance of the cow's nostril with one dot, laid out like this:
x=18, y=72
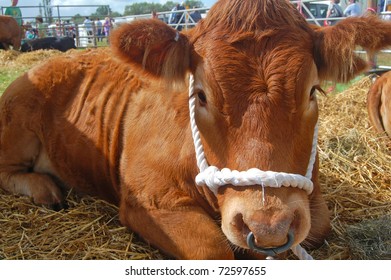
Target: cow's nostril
x=240, y=225
x=295, y=225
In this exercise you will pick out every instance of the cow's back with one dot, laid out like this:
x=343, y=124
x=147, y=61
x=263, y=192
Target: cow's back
x=76, y=105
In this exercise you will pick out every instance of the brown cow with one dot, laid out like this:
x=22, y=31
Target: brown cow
x=118, y=126
x=10, y=33
x=379, y=104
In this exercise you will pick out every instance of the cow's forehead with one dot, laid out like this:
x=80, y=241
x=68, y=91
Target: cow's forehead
x=253, y=37
x=257, y=59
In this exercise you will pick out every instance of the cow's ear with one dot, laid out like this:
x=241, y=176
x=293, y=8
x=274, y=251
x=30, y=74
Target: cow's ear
x=154, y=47
x=335, y=46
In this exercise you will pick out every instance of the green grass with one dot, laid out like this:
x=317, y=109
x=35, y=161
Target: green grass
x=329, y=87
x=383, y=59
x=8, y=75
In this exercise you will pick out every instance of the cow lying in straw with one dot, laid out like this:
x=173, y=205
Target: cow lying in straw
x=228, y=163
x=379, y=104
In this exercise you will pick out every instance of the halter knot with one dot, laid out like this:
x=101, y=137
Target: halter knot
x=215, y=178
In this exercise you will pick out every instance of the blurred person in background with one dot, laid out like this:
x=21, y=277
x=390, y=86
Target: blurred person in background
x=334, y=11
x=41, y=27
x=353, y=9
x=98, y=26
x=14, y=12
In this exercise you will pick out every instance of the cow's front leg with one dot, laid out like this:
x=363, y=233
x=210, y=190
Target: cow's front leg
x=25, y=167
x=184, y=233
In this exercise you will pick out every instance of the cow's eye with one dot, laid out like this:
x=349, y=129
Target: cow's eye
x=312, y=92
x=202, y=98
x=314, y=89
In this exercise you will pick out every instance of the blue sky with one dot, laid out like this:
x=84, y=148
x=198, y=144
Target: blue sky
x=116, y=5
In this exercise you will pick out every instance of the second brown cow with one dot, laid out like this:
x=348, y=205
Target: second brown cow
x=10, y=33
x=379, y=104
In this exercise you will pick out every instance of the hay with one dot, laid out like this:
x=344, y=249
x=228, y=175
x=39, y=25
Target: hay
x=89, y=229
x=354, y=173
x=370, y=239
x=8, y=56
x=15, y=58
x=355, y=169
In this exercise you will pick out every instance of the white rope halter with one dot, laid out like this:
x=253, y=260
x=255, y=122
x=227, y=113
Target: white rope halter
x=214, y=178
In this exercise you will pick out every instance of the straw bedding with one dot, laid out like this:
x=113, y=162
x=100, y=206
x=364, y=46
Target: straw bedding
x=355, y=165
x=15, y=59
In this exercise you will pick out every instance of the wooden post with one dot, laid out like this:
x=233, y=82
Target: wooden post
x=94, y=34
x=77, y=35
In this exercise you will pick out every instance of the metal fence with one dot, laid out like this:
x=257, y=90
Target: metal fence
x=61, y=24
x=58, y=24
x=186, y=20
